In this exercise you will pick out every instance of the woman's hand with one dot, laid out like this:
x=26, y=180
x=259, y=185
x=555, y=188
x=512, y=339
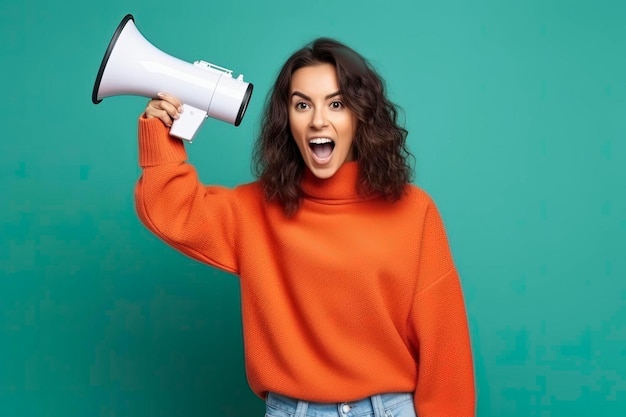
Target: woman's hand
x=167, y=108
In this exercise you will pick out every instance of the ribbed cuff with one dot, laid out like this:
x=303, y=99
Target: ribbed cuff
x=156, y=146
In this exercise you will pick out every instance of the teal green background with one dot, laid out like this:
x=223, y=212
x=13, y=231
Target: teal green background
x=517, y=118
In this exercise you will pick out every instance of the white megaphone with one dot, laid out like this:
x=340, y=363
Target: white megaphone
x=133, y=66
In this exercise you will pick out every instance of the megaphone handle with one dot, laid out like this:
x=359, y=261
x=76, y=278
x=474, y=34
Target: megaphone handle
x=186, y=126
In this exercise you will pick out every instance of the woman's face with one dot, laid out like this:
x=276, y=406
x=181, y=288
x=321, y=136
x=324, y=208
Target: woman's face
x=322, y=126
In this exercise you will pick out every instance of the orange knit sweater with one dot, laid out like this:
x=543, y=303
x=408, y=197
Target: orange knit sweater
x=348, y=298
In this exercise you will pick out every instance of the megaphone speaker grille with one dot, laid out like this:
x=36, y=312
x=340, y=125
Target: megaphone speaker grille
x=244, y=105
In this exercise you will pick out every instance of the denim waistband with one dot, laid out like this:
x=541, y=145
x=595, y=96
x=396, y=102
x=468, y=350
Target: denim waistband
x=375, y=405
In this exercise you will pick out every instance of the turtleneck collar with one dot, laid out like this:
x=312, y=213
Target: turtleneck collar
x=341, y=187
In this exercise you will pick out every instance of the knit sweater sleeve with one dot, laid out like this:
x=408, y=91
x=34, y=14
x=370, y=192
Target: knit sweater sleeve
x=171, y=202
x=445, y=385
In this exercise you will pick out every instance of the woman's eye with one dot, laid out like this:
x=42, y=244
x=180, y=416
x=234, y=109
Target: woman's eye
x=336, y=105
x=302, y=106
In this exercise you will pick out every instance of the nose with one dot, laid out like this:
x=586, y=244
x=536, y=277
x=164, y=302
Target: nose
x=318, y=117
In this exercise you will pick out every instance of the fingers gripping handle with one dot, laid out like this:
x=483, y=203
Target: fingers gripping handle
x=186, y=126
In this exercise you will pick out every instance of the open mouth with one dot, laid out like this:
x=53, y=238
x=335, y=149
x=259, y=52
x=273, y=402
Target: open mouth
x=322, y=148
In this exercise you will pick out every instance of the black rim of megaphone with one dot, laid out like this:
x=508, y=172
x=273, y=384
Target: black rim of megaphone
x=244, y=105
x=103, y=64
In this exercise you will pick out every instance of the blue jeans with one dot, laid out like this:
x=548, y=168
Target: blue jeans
x=382, y=405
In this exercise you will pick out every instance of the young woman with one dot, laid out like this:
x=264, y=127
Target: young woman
x=351, y=302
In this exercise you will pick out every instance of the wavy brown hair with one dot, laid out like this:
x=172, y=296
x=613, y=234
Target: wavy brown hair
x=379, y=144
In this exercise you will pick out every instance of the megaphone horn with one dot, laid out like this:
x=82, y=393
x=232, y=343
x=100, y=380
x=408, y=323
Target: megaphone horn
x=133, y=66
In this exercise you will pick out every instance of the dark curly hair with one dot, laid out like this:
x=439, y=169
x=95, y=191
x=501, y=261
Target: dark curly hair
x=379, y=144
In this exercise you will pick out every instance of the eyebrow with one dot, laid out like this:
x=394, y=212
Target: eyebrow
x=304, y=96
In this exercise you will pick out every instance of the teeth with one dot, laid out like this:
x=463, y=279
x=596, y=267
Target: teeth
x=320, y=141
